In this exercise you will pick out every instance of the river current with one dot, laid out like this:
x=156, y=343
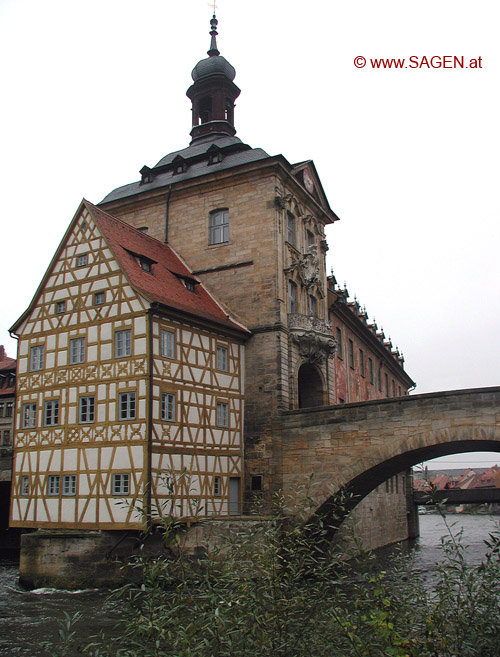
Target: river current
x=27, y=618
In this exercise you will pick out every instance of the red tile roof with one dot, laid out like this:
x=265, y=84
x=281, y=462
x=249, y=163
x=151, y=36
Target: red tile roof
x=164, y=284
x=6, y=363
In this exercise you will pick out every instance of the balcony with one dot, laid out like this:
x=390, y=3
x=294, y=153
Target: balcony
x=313, y=337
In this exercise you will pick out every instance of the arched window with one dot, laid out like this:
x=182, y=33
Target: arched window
x=205, y=109
x=310, y=387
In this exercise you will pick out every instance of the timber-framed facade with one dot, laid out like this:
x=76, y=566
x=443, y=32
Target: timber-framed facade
x=129, y=406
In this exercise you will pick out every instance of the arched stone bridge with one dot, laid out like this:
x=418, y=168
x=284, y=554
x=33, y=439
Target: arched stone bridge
x=360, y=445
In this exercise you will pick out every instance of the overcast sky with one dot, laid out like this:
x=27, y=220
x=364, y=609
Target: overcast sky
x=408, y=157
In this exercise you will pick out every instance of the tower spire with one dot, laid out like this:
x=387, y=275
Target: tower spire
x=213, y=52
x=213, y=93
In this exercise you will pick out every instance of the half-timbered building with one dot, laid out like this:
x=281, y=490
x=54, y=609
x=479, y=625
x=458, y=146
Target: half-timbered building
x=130, y=377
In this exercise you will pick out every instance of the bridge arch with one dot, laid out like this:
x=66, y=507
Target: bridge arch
x=358, y=446
x=364, y=483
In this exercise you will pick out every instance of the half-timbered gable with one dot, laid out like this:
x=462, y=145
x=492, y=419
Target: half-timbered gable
x=120, y=392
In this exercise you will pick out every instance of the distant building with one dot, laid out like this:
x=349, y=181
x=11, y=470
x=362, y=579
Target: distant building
x=7, y=416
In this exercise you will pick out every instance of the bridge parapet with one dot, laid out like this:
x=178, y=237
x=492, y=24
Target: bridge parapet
x=363, y=444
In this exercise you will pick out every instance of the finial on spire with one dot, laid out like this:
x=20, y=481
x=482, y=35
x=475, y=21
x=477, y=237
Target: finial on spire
x=213, y=33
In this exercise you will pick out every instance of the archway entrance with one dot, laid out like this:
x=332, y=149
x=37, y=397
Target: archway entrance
x=310, y=387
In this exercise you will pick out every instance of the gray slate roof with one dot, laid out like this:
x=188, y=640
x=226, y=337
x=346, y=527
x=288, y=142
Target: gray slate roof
x=234, y=151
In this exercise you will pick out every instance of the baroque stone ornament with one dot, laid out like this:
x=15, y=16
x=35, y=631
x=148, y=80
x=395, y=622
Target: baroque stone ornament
x=309, y=266
x=313, y=337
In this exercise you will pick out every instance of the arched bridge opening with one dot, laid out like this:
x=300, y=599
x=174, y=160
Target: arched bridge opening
x=356, y=447
x=335, y=509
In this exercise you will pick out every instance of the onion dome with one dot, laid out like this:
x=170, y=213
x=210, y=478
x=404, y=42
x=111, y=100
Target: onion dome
x=214, y=63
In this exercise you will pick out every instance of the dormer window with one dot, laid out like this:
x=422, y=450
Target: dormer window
x=145, y=264
x=143, y=229
x=146, y=175
x=214, y=156
x=180, y=165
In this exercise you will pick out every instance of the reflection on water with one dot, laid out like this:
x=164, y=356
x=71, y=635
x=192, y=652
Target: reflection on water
x=30, y=617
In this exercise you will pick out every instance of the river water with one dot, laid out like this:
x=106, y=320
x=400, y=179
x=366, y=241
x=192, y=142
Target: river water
x=27, y=618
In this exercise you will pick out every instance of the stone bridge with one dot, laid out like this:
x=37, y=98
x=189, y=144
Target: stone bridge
x=359, y=446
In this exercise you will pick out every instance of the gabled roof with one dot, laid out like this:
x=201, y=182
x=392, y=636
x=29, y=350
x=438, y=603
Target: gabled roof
x=164, y=285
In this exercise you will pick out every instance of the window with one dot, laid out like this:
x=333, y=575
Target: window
x=313, y=306
x=222, y=414
x=351, y=353
x=310, y=238
x=127, y=406
x=86, y=413
x=340, y=347
x=60, y=307
x=370, y=371
x=387, y=385
x=399, y=391
x=6, y=438
x=393, y=388
x=53, y=485
x=168, y=344
x=219, y=227
x=168, y=406
x=256, y=482
x=379, y=376
x=121, y=484
x=188, y=284
x=290, y=228
x=362, y=362
x=29, y=416
x=82, y=260
x=9, y=410
x=36, y=358
x=76, y=351
x=99, y=298
x=123, y=343
x=2, y=409
x=25, y=485
x=51, y=413
x=222, y=359
x=69, y=485
x=292, y=296
x=144, y=229
x=217, y=487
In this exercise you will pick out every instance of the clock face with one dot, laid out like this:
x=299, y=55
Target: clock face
x=308, y=181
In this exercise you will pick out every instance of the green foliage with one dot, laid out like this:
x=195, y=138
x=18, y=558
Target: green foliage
x=278, y=588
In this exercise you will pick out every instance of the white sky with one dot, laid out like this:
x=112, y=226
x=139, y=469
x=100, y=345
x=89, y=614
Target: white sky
x=408, y=158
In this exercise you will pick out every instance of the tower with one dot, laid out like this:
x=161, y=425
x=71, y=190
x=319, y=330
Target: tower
x=212, y=94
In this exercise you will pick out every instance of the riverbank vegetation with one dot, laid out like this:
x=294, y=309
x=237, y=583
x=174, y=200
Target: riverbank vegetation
x=280, y=589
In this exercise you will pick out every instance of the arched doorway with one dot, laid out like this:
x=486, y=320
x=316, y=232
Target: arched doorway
x=310, y=387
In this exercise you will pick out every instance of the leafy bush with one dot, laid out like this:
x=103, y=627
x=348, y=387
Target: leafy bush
x=278, y=588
